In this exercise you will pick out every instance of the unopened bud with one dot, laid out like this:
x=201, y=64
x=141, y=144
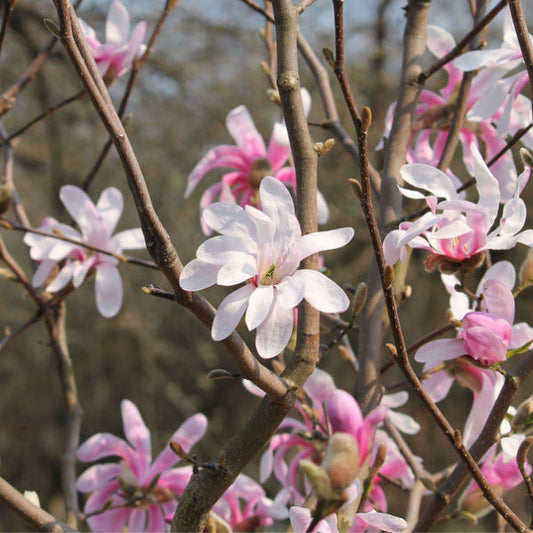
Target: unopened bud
x=318, y=478
x=219, y=373
x=356, y=188
x=322, y=148
x=366, y=118
x=525, y=275
x=527, y=157
x=265, y=68
x=341, y=461
x=329, y=56
x=388, y=277
x=52, y=27
x=523, y=417
x=273, y=95
x=6, y=197
x=392, y=350
x=178, y=450
x=359, y=298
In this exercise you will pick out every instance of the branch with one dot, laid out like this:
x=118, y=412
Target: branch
x=34, y=516
x=56, y=326
x=524, y=40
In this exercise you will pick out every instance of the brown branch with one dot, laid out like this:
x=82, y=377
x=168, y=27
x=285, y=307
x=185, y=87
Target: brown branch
x=56, y=326
x=521, y=460
x=9, y=5
x=12, y=335
x=461, y=104
x=33, y=515
x=486, y=439
x=156, y=237
x=136, y=67
x=524, y=40
x=6, y=224
x=207, y=485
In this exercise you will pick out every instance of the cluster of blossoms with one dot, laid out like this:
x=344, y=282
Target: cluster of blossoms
x=96, y=225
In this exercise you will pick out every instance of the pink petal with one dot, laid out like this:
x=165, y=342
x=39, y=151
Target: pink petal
x=105, y=445
x=187, y=435
x=97, y=476
x=498, y=300
x=383, y=521
x=243, y=130
x=108, y=290
x=440, y=350
x=139, y=436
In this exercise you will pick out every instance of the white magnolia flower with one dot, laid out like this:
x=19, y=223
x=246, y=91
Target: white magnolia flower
x=264, y=249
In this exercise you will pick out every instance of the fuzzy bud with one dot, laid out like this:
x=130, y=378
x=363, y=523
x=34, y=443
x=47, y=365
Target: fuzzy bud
x=356, y=188
x=366, y=118
x=6, y=197
x=330, y=58
x=527, y=157
x=341, y=461
x=525, y=274
x=318, y=478
x=52, y=27
x=388, y=277
x=359, y=298
x=523, y=417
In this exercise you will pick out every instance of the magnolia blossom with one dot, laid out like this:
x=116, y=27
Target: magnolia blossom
x=115, y=57
x=497, y=62
x=96, y=223
x=251, y=161
x=263, y=249
x=434, y=114
x=456, y=230
x=135, y=494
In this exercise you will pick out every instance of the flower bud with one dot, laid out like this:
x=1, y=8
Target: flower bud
x=525, y=274
x=5, y=198
x=341, y=461
x=523, y=417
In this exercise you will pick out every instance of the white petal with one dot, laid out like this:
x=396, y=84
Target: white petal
x=230, y=312
x=487, y=185
x=130, y=239
x=197, y=275
x=108, y=290
x=405, y=423
x=235, y=273
x=110, y=204
x=440, y=350
x=117, y=24
x=383, y=521
x=259, y=305
x=430, y=179
x=323, y=293
x=325, y=240
x=276, y=200
x=290, y=292
x=322, y=209
x=63, y=278
x=274, y=333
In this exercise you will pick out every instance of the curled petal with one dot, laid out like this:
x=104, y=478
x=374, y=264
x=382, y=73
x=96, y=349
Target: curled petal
x=230, y=312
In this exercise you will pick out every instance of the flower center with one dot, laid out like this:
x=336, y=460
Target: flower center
x=260, y=168
x=267, y=278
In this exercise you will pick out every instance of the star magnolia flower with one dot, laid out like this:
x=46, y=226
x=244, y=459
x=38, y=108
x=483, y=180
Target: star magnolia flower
x=462, y=229
x=264, y=249
x=96, y=223
x=251, y=161
x=135, y=494
x=498, y=62
x=115, y=57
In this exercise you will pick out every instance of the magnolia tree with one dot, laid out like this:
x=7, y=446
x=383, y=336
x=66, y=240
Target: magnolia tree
x=331, y=455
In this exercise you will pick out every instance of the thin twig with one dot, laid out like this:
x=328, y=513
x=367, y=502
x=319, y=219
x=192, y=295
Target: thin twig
x=9, y=5
x=56, y=326
x=33, y=515
x=37, y=317
x=524, y=40
x=457, y=50
x=6, y=224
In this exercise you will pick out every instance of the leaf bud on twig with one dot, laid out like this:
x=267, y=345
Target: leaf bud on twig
x=392, y=350
x=388, y=276
x=523, y=417
x=220, y=373
x=356, y=188
x=52, y=27
x=329, y=56
x=341, y=461
x=6, y=197
x=525, y=274
x=527, y=157
x=359, y=298
x=366, y=118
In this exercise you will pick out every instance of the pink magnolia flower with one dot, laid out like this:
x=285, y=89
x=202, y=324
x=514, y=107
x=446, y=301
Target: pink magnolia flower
x=263, y=249
x=96, y=223
x=135, y=494
x=251, y=161
x=456, y=230
x=115, y=57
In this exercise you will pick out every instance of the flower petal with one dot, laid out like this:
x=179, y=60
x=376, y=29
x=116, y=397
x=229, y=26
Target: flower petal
x=259, y=305
x=108, y=290
x=197, y=275
x=243, y=130
x=110, y=205
x=230, y=312
x=321, y=292
x=325, y=240
x=274, y=333
x=138, y=435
